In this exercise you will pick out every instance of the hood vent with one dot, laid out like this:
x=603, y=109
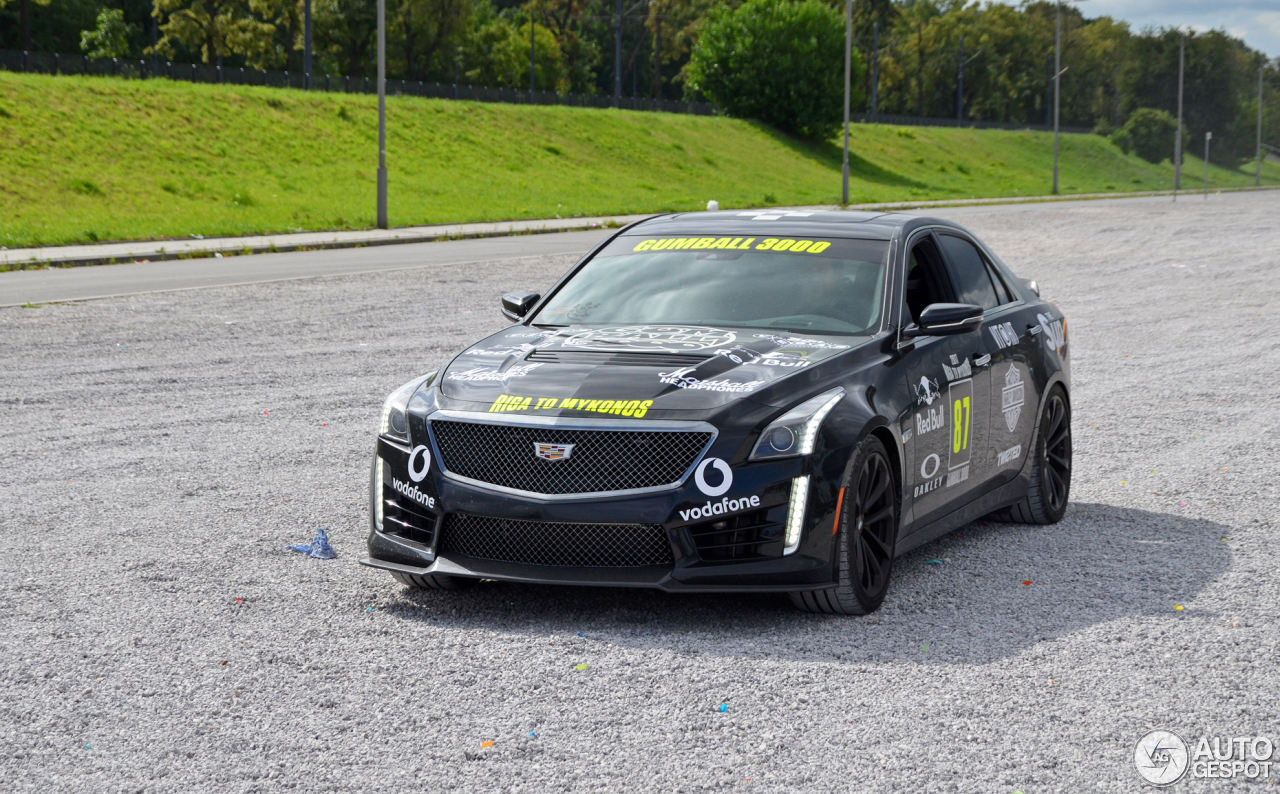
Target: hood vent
x=605, y=358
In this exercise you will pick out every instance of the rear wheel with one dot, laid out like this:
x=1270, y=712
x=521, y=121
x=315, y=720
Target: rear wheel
x=1050, y=487
x=866, y=538
x=434, y=581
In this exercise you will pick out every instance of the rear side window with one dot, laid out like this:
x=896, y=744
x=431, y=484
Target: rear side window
x=1002, y=291
x=969, y=272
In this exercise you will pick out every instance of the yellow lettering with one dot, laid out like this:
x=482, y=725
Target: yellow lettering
x=630, y=407
x=568, y=403
x=643, y=409
x=605, y=406
x=590, y=406
x=618, y=405
x=683, y=242
x=801, y=245
x=747, y=243
x=497, y=404
x=550, y=402
x=644, y=245
x=659, y=245
x=783, y=245
x=767, y=243
x=703, y=242
x=723, y=242
x=818, y=248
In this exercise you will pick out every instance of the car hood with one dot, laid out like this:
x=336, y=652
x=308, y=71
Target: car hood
x=672, y=367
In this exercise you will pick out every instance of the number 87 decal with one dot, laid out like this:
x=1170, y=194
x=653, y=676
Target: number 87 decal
x=961, y=396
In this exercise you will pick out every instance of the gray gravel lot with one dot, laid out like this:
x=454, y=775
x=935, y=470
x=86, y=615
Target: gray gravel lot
x=160, y=450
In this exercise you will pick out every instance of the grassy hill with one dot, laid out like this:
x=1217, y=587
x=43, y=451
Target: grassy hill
x=85, y=159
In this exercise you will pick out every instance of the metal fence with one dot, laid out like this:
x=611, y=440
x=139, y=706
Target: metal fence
x=56, y=64
x=920, y=121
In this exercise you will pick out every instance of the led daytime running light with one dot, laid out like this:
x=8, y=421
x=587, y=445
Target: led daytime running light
x=377, y=495
x=795, y=512
x=809, y=436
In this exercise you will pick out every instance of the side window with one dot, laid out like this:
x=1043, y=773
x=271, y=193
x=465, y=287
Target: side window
x=1002, y=291
x=926, y=282
x=973, y=282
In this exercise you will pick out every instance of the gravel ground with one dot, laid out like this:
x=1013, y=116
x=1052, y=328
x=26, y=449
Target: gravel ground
x=160, y=450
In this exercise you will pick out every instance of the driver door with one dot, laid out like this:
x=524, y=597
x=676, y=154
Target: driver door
x=948, y=415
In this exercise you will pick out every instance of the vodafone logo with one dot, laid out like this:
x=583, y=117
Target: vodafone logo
x=726, y=477
x=420, y=452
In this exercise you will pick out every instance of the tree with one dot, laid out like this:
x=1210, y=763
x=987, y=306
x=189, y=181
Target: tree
x=202, y=26
x=110, y=39
x=429, y=29
x=498, y=55
x=344, y=34
x=1149, y=133
x=776, y=61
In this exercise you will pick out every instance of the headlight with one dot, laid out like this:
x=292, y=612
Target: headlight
x=796, y=431
x=395, y=422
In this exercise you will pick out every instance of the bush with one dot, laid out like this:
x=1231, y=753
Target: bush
x=776, y=61
x=1149, y=134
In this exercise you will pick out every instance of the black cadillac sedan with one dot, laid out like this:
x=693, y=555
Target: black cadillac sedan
x=733, y=401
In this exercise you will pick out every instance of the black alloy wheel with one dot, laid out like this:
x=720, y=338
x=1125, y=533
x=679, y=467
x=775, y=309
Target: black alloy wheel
x=1049, y=489
x=1055, y=453
x=866, y=539
x=874, y=515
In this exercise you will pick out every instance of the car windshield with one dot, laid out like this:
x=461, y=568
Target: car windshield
x=833, y=286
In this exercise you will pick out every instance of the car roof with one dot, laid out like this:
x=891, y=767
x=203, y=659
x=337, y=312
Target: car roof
x=791, y=222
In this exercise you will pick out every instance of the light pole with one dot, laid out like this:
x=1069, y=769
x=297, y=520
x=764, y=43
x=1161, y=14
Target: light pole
x=1257, y=174
x=306, y=45
x=617, y=61
x=1057, y=80
x=1208, y=136
x=382, y=114
x=875, y=72
x=532, y=58
x=848, y=54
x=1177, y=134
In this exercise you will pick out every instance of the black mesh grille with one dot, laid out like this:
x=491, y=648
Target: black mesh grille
x=747, y=536
x=548, y=543
x=602, y=460
x=405, y=519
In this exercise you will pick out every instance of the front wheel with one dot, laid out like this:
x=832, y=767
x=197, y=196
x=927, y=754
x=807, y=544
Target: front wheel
x=868, y=532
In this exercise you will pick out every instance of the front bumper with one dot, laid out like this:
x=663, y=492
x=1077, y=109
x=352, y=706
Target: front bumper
x=731, y=551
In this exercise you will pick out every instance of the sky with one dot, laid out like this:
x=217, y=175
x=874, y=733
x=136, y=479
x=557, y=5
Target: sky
x=1255, y=21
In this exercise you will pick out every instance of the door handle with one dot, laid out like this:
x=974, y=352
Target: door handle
x=1034, y=330
x=981, y=361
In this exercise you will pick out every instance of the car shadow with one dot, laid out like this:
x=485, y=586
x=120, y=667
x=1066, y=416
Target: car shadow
x=985, y=592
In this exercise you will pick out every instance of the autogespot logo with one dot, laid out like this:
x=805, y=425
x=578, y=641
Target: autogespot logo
x=1161, y=758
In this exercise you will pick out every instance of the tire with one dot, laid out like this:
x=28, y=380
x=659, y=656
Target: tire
x=434, y=581
x=866, y=539
x=1050, y=487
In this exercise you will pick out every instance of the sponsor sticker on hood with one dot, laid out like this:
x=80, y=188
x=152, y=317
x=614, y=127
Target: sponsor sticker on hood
x=564, y=370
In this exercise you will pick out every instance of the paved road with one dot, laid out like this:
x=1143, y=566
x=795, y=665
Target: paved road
x=80, y=283
x=160, y=451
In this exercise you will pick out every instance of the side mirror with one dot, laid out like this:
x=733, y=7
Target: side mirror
x=515, y=305
x=946, y=319
x=1032, y=285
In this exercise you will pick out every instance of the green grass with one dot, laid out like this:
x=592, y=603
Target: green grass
x=93, y=159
